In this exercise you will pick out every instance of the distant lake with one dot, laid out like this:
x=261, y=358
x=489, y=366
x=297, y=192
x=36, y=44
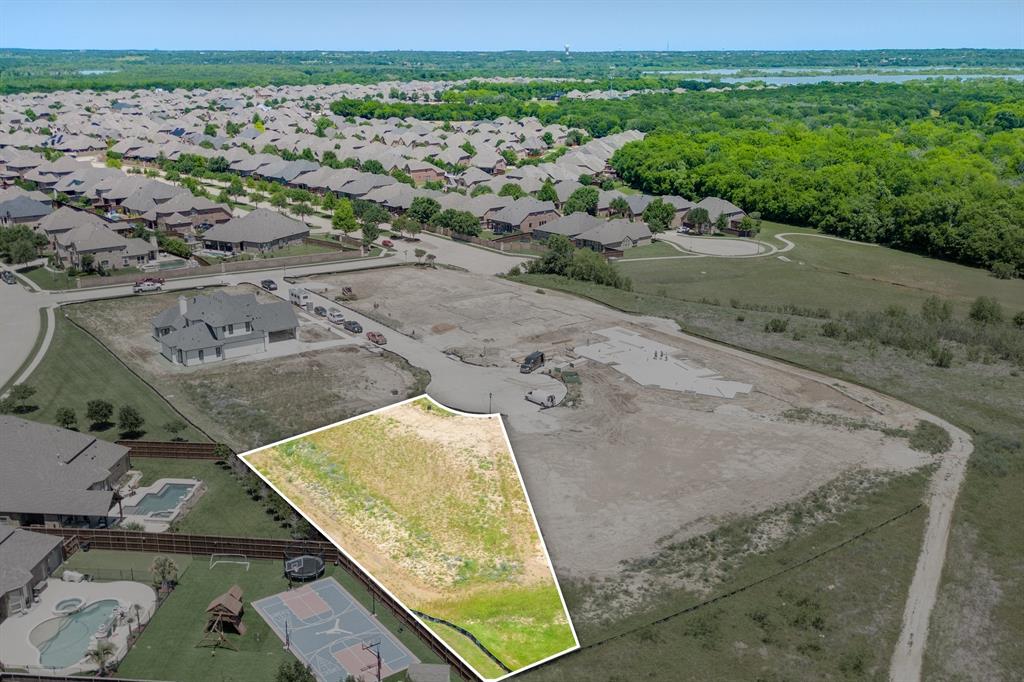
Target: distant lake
x=96, y=72
x=865, y=77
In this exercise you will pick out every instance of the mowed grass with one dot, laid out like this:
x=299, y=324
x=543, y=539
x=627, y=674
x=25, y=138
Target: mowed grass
x=167, y=649
x=820, y=273
x=77, y=369
x=506, y=616
x=652, y=250
x=469, y=651
x=224, y=509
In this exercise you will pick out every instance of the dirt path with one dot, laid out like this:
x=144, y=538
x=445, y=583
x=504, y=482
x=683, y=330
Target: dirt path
x=945, y=485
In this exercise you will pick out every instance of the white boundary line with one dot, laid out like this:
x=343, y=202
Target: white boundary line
x=522, y=484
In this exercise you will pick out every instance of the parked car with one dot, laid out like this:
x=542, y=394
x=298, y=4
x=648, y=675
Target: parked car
x=9, y=277
x=377, y=338
x=334, y=316
x=532, y=362
x=269, y=285
x=320, y=310
x=387, y=243
x=353, y=326
x=146, y=286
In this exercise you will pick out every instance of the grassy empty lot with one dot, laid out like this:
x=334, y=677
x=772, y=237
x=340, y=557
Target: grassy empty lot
x=431, y=504
x=820, y=273
x=167, y=651
x=224, y=509
x=76, y=369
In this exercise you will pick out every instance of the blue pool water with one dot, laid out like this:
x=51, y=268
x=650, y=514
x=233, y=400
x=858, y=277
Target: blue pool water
x=169, y=497
x=68, y=645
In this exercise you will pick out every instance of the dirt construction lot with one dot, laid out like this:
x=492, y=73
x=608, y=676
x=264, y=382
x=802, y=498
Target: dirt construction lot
x=247, y=402
x=633, y=465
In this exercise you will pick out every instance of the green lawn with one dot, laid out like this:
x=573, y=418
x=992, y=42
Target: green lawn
x=299, y=250
x=77, y=369
x=167, y=651
x=48, y=279
x=224, y=509
x=651, y=250
x=821, y=273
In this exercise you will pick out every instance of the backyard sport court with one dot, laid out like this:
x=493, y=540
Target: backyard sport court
x=327, y=629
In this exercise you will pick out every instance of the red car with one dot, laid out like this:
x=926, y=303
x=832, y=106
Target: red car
x=387, y=243
x=377, y=338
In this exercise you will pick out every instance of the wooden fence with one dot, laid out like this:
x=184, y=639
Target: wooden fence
x=174, y=449
x=511, y=244
x=252, y=548
x=235, y=266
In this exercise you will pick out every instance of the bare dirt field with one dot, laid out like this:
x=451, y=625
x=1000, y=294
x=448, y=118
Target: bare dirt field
x=634, y=465
x=259, y=399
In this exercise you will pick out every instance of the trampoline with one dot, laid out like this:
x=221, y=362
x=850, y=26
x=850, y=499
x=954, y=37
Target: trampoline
x=304, y=568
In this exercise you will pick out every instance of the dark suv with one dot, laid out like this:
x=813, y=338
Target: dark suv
x=353, y=326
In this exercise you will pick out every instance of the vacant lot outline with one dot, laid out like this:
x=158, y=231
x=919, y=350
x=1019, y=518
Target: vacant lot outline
x=554, y=637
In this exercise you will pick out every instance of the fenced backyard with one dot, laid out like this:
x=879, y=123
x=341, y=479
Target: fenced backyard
x=99, y=552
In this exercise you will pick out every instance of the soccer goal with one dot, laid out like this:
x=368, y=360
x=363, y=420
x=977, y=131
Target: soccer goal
x=229, y=559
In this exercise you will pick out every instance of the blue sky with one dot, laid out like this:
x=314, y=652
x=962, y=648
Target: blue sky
x=502, y=25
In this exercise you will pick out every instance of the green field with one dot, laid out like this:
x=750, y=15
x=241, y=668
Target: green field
x=167, y=649
x=441, y=522
x=820, y=273
x=652, y=250
x=246, y=518
x=77, y=369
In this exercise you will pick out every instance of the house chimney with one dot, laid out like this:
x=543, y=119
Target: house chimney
x=182, y=305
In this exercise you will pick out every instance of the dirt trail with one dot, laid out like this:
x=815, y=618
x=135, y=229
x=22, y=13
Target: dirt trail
x=909, y=652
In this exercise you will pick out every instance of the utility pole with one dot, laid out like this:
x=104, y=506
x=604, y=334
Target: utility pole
x=489, y=396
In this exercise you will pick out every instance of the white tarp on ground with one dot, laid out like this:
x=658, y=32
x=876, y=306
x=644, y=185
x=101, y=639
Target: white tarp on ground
x=650, y=363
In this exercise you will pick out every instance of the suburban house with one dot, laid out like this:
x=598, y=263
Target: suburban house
x=52, y=476
x=259, y=230
x=720, y=207
x=568, y=226
x=220, y=326
x=614, y=235
x=65, y=219
x=523, y=215
x=108, y=250
x=22, y=210
x=26, y=559
x=184, y=213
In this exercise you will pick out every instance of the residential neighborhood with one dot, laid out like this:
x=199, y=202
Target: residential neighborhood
x=386, y=342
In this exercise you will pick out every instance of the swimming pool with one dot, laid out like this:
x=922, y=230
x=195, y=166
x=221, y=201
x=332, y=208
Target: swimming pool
x=63, y=641
x=167, y=500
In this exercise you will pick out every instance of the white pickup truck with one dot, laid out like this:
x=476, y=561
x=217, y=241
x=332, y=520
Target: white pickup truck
x=145, y=287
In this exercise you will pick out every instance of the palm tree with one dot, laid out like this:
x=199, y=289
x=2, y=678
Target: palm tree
x=101, y=654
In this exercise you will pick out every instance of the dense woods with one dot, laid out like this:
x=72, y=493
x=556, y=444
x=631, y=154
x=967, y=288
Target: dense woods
x=933, y=168
x=28, y=70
